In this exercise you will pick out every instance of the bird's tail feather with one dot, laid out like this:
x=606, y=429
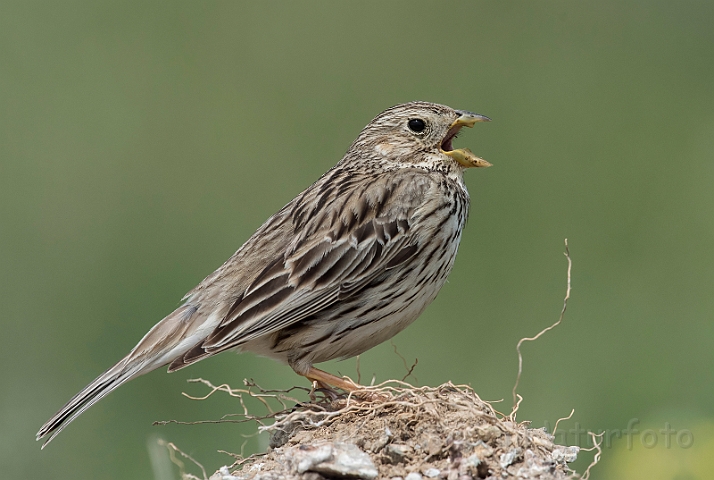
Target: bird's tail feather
x=102, y=386
x=166, y=340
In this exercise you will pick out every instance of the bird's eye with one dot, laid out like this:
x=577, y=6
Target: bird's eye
x=416, y=125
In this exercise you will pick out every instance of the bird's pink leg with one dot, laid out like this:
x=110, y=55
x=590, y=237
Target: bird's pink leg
x=323, y=378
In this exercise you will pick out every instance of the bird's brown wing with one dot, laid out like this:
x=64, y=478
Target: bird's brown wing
x=346, y=237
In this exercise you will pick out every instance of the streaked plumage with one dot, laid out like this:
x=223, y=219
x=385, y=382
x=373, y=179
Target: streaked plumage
x=346, y=265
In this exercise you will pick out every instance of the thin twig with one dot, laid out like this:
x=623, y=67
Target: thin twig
x=596, y=446
x=564, y=418
x=173, y=448
x=359, y=374
x=409, y=370
x=530, y=339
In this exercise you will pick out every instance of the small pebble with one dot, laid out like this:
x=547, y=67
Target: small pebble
x=397, y=453
x=413, y=476
x=507, y=458
x=432, y=472
x=332, y=459
x=565, y=454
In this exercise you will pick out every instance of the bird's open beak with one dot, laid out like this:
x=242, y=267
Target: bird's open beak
x=463, y=155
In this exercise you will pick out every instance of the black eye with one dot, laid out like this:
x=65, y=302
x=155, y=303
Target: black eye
x=416, y=125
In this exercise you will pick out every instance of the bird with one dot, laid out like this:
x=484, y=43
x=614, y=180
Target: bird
x=346, y=265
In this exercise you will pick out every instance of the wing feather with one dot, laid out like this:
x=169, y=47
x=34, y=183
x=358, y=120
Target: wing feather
x=349, y=238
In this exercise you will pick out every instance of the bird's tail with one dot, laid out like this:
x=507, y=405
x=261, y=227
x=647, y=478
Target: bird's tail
x=102, y=386
x=163, y=343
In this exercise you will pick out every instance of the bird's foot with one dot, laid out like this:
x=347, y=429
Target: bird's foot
x=323, y=382
x=329, y=393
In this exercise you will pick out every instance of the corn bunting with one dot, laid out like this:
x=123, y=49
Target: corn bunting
x=344, y=266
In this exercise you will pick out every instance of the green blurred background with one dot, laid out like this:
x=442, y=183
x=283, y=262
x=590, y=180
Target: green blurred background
x=142, y=142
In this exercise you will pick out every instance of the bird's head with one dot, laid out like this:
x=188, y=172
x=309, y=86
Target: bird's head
x=415, y=132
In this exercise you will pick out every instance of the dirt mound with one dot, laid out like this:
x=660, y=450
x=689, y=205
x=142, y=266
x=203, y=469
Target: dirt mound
x=444, y=432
